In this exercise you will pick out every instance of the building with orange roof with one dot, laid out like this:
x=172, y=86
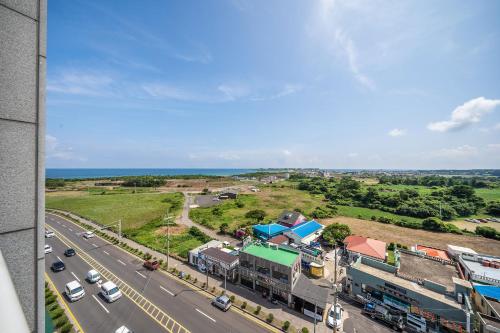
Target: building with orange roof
x=363, y=246
x=432, y=252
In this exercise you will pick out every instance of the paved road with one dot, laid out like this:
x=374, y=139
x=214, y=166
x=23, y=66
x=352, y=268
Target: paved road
x=188, y=307
x=92, y=311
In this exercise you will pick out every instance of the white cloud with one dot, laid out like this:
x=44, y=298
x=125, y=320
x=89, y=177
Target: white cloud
x=457, y=152
x=54, y=150
x=497, y=127
x=353, y=155
x=466, y=114
x=168, y=92
x=286, y=152
x=81, y=82
x=397, y=132
x=494, y=146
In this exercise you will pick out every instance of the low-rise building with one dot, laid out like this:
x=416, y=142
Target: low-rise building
x=357, y=246
x=193, y=255
x=267, y=231
x=420, y=287
x=486, y=301
x=481, y=268
x=270, y=269
x=219, y=262
x=305, y=233
x=290, y=219
x=455, y=251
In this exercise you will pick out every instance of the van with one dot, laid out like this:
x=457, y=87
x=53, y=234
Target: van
x=93, y=276
x=110, y=291
x=74, y=291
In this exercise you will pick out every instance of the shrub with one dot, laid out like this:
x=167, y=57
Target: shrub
x=56, y=313
x=257, y=309
x=61, y=322
x=49, y=300
x=270, y=318
x=244, y=305
x=195, y=280
x=304, y=330
x=188, y=277
x=487, y=232
x=286, y=326
x=66, y=328
x=433, y=224
x=147, y=256
x=373, y=218
x=232, y=298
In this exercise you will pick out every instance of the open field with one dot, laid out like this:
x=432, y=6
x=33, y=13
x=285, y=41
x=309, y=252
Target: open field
x=134, y=209
x=367, y=213
x=472, y=226
x=391, y=233
x=272, y=199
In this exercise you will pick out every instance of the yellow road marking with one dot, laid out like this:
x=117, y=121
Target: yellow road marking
x=47, y=277
x=104, y=272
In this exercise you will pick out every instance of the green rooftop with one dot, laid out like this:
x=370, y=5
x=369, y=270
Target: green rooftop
x=280, y=256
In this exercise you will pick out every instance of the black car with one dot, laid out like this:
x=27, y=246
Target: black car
x=58, y=266
x=69, y=252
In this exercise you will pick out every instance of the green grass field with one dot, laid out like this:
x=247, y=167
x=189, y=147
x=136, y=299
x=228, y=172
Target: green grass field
x=367, y=213
x=272, y=199
x=134, y=210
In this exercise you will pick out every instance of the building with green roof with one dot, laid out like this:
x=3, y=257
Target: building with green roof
x=270, y=269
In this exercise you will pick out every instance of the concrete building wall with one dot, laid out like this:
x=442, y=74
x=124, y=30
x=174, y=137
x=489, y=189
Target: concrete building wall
x=22, y=137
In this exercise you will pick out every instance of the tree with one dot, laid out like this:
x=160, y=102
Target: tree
x=217, y=211
x=493, y=208
x=487, y=232
x=462, y=191
x=223, y=228
x=257, y=214
x=336, y=232
x=434, y=224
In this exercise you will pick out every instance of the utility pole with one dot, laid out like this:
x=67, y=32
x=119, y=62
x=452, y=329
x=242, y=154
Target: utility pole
x=120, y=229
x=335, y=289
x=315, y=311
x=167, y=222
x=225, y=278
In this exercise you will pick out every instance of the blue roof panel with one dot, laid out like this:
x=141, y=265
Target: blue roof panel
x=488, y=291
x=305, y=229
x=269, y=229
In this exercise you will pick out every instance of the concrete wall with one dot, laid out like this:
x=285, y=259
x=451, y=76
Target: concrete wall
x=22, y=137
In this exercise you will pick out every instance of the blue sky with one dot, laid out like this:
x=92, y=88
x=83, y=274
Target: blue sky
x=329, y=84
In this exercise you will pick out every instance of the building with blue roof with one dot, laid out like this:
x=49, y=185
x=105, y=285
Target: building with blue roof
x=267, y=231
x=486, y=301
x=305, y=232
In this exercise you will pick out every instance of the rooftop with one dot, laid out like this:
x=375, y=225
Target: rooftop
x=427, y=269
x=490, y=292
x=478, y=268
x=280, y=239
x=289, y=218
x=409, y=285
x=272, y=253
x=212, y=243
x=367, y=246
x=269, y=230
x=433, y=252
x=306, y=228
x=220, y=255
x=311, y=292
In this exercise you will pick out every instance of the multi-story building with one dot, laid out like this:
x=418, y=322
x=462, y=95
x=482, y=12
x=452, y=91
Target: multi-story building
x=270, y=269
x=220, y=261
x=486, y=301
x=481, y=268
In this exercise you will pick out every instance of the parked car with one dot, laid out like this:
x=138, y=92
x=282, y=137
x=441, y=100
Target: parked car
x=93, y=276
x=48, y=249
x=151, y=264
x=69, y=252
x=49, y=234
x=335, y=317
x=88, y=234
x=222, y=302
x=74, y=291
x=110, y=291
x=58, y=266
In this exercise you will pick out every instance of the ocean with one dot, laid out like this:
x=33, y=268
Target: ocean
x=104, y=173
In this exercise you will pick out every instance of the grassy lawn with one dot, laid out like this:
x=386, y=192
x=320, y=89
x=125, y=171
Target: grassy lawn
x=367, y=213
x=391, y=260
x=489, y=194
x=135, y=210
x=272, y=199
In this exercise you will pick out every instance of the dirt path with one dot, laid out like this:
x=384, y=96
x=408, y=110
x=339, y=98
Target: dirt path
x=391, y=233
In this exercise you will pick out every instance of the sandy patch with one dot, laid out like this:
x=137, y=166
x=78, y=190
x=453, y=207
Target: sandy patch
x=178, y=229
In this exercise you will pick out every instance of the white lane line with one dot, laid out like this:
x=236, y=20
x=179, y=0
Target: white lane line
x=144, y=276
x=76, y=277
x=70, y=229
x=168, y=291
x=203, y=313
x=121, y=262
x=58, y=222
x=106, y=252
x=58, y=258
x=94, y=245
x=64, y=226
x=107, y=311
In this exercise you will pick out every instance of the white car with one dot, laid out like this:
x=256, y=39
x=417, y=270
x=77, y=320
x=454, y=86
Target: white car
x=74, y=291
x=110, y=291
x=49, y=234
x=47, y=249
x=335, y=317
x=93, y=276
x=88, y=234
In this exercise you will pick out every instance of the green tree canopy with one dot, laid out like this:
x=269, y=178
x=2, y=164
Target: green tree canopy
x=336, y=232
x=257, y=214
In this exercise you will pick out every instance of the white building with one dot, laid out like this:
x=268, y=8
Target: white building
x=481, y=268
x=193, y=255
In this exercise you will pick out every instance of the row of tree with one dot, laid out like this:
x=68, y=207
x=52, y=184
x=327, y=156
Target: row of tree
x=434, y=180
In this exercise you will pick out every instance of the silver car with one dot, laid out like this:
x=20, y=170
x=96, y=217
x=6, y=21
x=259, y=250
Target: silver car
x=222, y=302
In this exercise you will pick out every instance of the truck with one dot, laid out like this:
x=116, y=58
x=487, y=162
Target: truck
x=381, y=313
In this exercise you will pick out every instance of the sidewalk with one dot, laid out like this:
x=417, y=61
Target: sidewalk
x=253, y=299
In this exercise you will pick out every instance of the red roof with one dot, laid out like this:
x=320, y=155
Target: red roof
x=280, y=239
x=366, y=246
x=433, y=252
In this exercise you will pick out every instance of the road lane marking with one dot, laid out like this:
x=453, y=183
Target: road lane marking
x=168, y=291
x=121, y=262
x=107, y=311
x=203, y=313
x=70, y=229
x=58, y=258
x=106, y=252
x=144, y=276
x=76, y=277
x=47, y=277
x=94, y=245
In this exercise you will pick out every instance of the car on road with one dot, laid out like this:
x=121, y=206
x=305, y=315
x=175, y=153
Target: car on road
x=335, y=317
x=93, y=276
x=151, y=264
x=110, y=291
x=58, y=266
x=88, y=234
x=69, y=252
x=123, y=329
x=222, y=302
x=74, y=291
x=49, y=234
x=47, y=249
